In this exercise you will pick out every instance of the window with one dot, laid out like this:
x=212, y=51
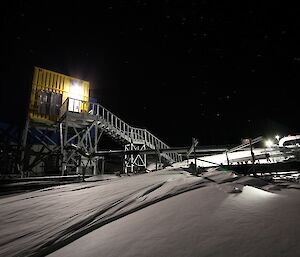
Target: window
x=44, y=102
x=49, y=103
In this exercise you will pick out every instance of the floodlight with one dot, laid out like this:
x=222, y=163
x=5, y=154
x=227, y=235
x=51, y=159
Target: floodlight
x=76, y=91
x=269, y=143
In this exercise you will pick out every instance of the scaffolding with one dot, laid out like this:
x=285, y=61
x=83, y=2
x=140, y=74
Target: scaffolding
x=52, y=127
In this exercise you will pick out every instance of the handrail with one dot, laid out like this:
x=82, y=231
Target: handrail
x=128, y=132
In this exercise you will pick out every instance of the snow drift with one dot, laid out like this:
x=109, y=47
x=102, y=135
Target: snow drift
x=164, y=213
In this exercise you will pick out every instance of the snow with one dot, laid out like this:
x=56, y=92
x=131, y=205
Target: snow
x=38, y=221
x=163, y=213
x=204, y=222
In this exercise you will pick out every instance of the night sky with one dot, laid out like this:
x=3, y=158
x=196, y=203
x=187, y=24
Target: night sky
x=215, y=71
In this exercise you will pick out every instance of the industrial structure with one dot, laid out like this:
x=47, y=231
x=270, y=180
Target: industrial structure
x=62, y=123
x=64, y=127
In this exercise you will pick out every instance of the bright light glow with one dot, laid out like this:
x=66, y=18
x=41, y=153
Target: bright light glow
x=76, y=94
x=269, y=143
x=277, y=137
x=76, y=91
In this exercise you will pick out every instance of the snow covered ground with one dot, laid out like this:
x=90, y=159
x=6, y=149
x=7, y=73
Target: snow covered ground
x=163, y=213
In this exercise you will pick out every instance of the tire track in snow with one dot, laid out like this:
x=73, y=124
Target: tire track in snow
x=120, y=198
x=117, y=213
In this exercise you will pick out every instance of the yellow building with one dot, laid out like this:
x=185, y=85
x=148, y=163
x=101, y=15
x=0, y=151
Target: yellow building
x=51, y=90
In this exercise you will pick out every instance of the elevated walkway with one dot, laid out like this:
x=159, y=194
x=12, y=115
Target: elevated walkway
x=98, y=119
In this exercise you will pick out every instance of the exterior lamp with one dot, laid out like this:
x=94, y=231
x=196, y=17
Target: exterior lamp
x=76, y=91
x=269, y=143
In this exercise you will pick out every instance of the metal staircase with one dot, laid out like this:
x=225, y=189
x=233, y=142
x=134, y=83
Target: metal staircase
x=114, y=127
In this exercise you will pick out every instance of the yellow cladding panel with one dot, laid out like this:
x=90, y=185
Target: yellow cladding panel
x=48, y=83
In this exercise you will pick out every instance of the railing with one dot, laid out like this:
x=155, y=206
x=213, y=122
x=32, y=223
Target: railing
x=117, y=126
x=63, y=108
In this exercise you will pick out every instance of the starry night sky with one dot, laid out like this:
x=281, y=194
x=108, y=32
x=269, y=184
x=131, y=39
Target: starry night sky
x=215, y=71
